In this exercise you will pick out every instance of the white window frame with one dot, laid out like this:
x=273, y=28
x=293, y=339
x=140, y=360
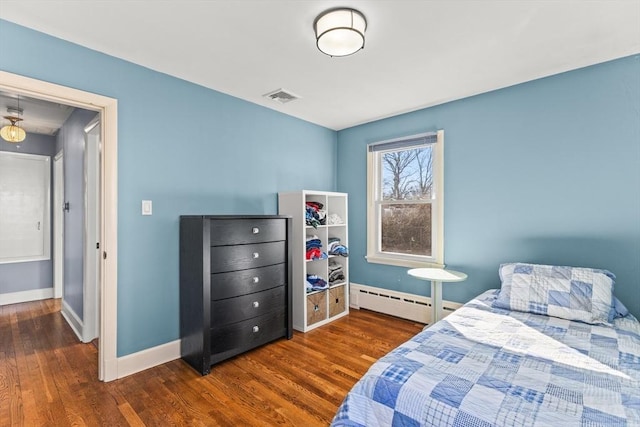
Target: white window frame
x=46, y=206
x=374, y=178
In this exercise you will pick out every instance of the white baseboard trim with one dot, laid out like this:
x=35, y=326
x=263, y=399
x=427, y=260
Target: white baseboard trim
x=399, y=304
x=148, y=358
x=72, y=319
x=26, y=296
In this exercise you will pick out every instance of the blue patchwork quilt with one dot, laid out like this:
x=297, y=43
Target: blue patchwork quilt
x=484, y=366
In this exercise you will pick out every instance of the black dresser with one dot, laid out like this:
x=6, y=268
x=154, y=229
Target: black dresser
x=235, y=285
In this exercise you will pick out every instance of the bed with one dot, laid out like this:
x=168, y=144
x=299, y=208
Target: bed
x=498, y=361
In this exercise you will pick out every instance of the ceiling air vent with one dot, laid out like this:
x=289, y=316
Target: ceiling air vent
x=282, y=96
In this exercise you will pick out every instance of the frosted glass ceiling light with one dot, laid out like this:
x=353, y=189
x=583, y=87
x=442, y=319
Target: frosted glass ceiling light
x=12, y=132
x=340, y=32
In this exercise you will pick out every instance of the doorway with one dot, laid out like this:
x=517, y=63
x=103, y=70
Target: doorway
x=107, y=221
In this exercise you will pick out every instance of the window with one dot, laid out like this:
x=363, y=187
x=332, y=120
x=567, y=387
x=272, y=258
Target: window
x=404, y=201
x=24, y=207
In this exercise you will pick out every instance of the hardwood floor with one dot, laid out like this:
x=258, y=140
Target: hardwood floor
x=48, y=377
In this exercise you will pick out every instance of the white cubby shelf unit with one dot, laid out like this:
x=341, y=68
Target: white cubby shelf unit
x=317, y=308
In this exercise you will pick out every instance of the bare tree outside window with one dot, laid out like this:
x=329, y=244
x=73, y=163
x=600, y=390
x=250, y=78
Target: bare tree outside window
x=397, y=176
x=407, y=178
x=424, y=161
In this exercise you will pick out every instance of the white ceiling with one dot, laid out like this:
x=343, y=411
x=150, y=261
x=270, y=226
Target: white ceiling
x=417, y=53
x=38, y=116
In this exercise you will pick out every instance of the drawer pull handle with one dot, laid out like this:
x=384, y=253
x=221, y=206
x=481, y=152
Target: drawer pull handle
x=256, y=279
x=255, y=230
x=256, y=329
x=256, y=255
x=256, y=304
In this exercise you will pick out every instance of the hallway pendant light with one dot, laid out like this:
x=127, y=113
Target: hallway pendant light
x=13, y=133
x=340, y=32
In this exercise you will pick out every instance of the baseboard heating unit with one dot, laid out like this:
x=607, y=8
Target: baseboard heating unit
x=399, y=304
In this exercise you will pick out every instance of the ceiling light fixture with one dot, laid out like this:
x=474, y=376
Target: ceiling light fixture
x=340, y=32
x=13, y=133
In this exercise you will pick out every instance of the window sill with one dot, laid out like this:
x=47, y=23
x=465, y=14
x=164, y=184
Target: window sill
x=401, y=262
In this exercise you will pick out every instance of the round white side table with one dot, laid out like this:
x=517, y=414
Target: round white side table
x=437, y=276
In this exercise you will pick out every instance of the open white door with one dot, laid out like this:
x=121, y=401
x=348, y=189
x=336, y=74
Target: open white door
x=91, y=264
x=58, y=225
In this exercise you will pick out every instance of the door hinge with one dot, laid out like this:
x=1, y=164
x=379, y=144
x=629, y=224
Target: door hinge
x=104, y=255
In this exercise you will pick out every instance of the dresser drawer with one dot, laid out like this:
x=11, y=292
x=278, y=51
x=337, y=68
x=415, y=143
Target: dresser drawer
x=238, y=337
x=247, y=306
x=244, y=231
x=236, y=283
x=242, y=257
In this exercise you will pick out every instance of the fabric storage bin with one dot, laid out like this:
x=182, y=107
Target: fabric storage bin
x=336, y=300
x=316, y=307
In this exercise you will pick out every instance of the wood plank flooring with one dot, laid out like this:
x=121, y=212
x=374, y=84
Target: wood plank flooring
x=48, y=377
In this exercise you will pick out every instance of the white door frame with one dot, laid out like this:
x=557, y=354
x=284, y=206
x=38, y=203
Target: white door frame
x=108, y=110
x=91, y=231
x=58, y=224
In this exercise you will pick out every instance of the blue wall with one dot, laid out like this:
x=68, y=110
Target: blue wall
x=228, y=157
x=547, y=172
x=27, y=276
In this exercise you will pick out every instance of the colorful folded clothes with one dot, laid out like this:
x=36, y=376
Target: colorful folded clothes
x=314, y=214
x=316, y=283
x=314, y=248
x=335, y=248
x=313, y=242
x=315, y=253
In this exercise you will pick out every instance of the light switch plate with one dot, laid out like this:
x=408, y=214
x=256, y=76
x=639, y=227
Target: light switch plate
x=147, y=207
